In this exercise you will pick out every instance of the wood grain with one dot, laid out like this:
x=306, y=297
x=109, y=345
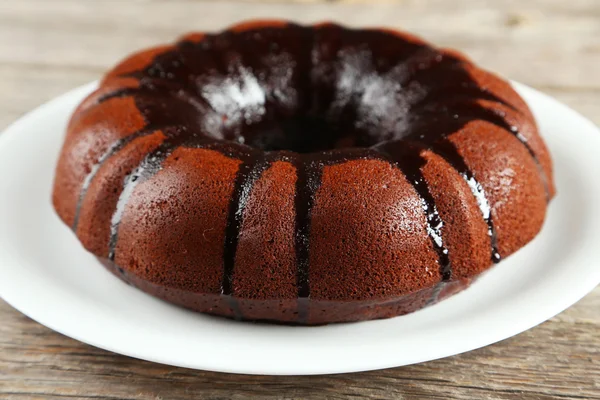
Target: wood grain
x=556, y=360
x=48, y=47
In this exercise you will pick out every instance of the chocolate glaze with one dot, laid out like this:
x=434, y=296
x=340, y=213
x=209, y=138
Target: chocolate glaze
x=118, y=93
x=448, y=151
x=249, y=172
x=407, y=157
x=308, y=177
x=309, y=168
x=147, y=168
x=223, y=94
x=112, y=150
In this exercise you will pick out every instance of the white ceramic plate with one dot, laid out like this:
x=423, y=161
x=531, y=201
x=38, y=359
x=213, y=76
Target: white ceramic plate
x=47, y=275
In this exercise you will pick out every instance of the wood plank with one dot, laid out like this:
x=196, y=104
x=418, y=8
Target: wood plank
x=521, y=41
x=558, y=359
x=49, y=47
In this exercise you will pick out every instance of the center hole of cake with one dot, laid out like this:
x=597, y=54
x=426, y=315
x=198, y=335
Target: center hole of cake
x=302, y=134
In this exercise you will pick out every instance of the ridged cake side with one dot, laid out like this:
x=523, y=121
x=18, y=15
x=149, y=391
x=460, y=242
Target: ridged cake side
x=175, y=172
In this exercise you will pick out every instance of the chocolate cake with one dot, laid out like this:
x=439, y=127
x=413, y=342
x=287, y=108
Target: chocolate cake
x=302, y=174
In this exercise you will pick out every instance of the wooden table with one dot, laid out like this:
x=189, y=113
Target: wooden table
x=48, y=47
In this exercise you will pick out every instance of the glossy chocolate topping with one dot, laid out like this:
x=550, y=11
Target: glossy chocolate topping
x=311, y=96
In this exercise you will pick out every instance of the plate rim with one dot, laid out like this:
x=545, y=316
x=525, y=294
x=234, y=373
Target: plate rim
x=52, y=320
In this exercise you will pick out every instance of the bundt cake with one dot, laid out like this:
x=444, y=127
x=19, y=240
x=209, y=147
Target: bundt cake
x=302, y=174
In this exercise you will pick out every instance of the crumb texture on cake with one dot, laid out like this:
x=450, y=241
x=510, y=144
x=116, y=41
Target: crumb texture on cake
x=302, y=174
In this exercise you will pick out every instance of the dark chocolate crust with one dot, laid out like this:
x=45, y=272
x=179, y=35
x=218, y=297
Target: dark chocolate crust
x=302, y=174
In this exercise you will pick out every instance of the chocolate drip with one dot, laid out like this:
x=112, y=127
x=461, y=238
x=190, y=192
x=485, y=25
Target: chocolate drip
x=465, y=91
x=446, y=149
x=150, y=165
x=407, y=157
x=309, y=169
x=435, y=294
x=308, y=180
x=464, y=112
x=422, y=61
x=119, y=93
x=248, y=174
x=111, y=151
